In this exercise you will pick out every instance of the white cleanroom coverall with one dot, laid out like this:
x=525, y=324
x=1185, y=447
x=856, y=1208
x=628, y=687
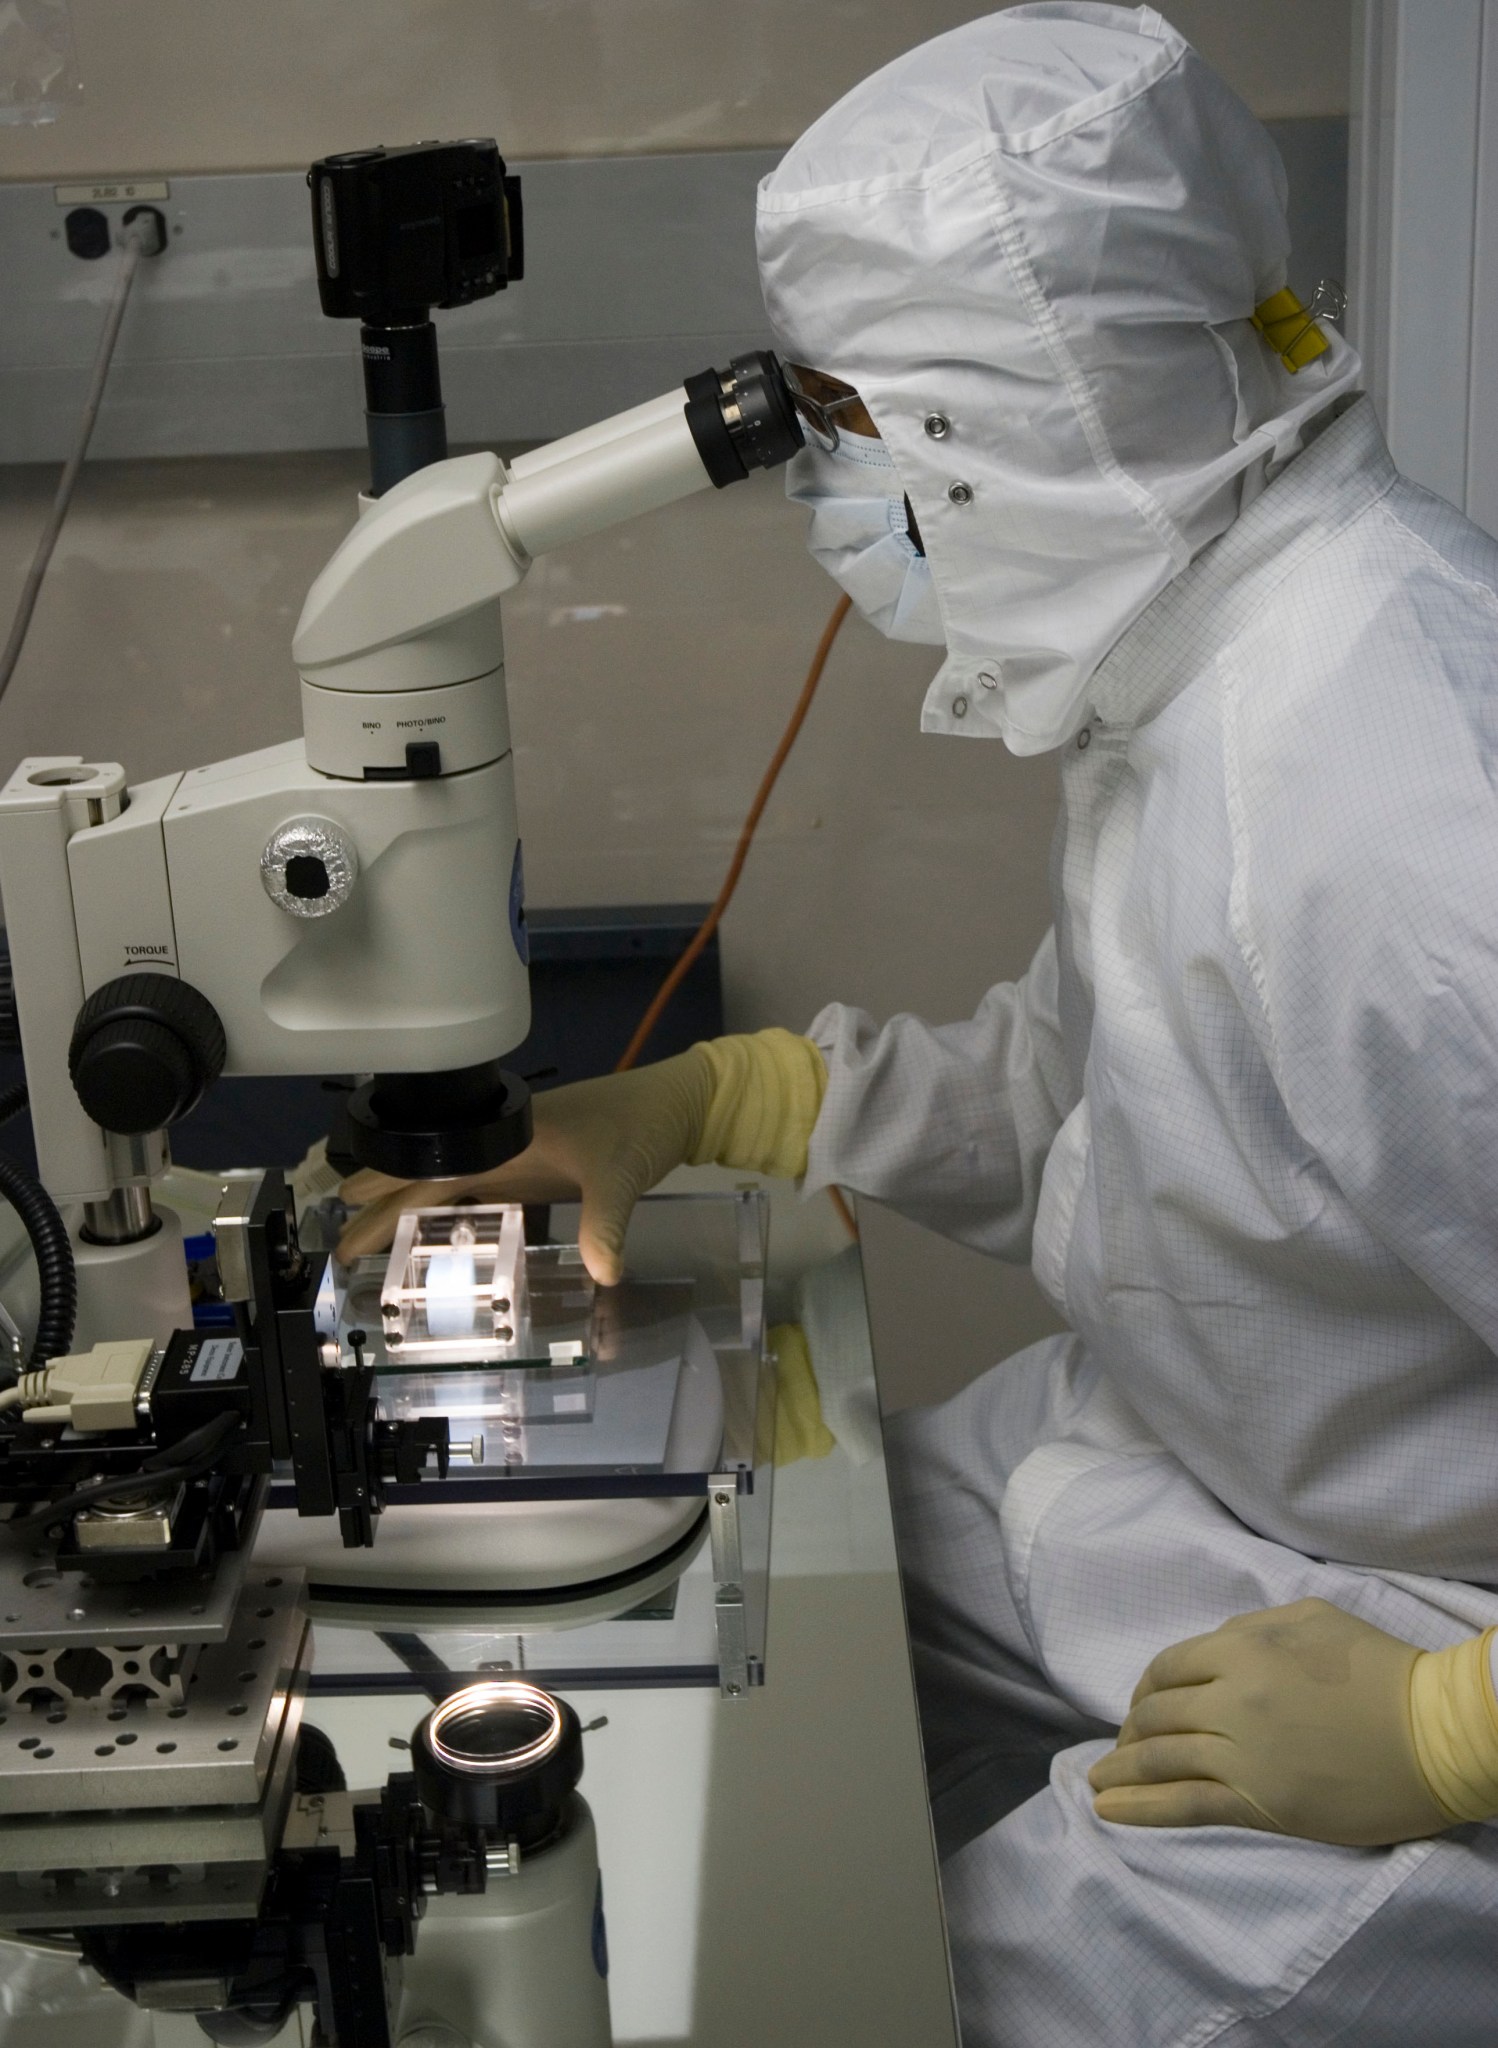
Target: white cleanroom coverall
x=1242, y=1112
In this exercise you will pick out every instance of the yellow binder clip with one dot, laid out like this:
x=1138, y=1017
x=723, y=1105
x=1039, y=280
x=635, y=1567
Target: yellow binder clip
x=1290, y=327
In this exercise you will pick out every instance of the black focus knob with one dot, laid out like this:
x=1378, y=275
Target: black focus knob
x=144, y=1048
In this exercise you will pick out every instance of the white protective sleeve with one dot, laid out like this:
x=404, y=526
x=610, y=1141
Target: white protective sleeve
x=948, y=1123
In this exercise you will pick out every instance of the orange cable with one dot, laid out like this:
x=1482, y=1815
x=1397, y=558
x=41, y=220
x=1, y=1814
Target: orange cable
x=840, y=1203
x=714, y=918
x=683, y=967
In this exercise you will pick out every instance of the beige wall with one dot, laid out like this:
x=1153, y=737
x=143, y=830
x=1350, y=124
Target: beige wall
x=651, y=670
x=183, y=85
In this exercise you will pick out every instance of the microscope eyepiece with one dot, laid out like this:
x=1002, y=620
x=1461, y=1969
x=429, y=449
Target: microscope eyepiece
x=742, y=418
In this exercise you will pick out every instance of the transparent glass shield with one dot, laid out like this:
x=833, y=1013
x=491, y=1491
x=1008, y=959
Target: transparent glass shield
x=557, y=1388
x=663, y=1391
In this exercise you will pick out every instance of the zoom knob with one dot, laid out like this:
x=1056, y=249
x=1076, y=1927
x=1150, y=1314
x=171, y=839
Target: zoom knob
x=143, y=1050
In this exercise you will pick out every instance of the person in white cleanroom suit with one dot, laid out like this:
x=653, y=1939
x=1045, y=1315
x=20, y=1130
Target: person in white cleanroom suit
x=1242, y=1111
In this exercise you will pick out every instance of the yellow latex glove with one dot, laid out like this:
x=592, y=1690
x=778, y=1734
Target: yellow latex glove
x=800, y=1431
x=747, y=1102
x=1304, y=1720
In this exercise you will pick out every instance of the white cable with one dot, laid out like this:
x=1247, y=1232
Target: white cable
x=29, y=1391
x=139, y=240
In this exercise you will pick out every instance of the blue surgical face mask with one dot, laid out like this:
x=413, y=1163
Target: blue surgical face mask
x=860, y=535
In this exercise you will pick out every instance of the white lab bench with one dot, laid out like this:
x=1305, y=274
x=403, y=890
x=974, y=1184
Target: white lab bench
x=768, y=1867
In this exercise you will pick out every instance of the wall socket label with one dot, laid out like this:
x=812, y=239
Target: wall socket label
x=116, y=192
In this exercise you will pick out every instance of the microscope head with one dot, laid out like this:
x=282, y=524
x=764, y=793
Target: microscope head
x=400, y=645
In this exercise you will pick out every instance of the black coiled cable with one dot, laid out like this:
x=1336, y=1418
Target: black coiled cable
x=50, y=1242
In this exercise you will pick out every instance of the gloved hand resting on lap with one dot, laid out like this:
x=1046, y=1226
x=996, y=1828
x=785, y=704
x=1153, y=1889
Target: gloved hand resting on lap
x=1304, y=1720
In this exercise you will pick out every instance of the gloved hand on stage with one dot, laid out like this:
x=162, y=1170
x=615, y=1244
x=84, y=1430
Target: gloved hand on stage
x=1307, y=1721
x=748, y=1102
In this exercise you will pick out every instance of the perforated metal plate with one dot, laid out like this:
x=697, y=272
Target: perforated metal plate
x=215, y=1750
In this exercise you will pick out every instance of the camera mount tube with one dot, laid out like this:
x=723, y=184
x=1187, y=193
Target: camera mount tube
x=403, y=411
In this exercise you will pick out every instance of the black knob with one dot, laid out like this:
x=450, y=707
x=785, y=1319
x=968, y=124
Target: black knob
x=144, y=1049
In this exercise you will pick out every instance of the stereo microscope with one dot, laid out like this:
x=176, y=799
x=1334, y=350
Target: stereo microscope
x=304, y=910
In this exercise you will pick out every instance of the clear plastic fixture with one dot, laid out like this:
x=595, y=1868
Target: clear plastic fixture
x=462, y=1287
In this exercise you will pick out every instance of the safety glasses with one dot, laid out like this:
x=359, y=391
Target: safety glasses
x=817, y=398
